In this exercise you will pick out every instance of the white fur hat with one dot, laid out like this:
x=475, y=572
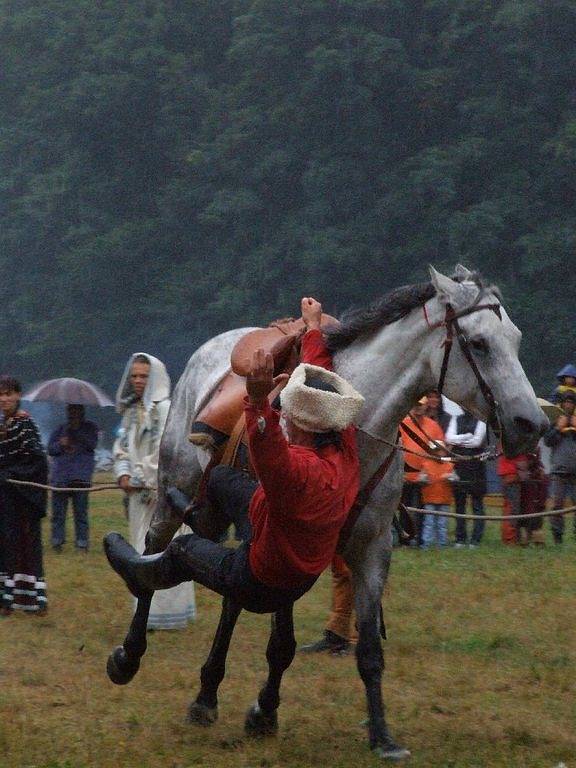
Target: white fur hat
x=315, y=410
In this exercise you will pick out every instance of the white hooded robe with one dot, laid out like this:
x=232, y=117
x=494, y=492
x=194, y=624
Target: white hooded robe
x=136, y=453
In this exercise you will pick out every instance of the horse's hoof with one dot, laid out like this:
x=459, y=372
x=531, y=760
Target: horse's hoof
x=120, y=667
x=391, y=751
x=258, y=723
x=200, y=714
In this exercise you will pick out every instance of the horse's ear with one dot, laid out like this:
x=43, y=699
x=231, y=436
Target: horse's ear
x=446, y=288
x=462, y=273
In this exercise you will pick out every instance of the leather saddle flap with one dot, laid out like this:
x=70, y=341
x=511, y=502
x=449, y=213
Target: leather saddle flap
x=280, y=339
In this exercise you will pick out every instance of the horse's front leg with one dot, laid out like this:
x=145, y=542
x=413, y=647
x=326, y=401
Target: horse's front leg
x=204, y=710
x=262, y=717
x=369, y=577
x=124, y=661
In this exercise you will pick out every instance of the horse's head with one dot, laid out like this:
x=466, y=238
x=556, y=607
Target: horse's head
x=492, y=341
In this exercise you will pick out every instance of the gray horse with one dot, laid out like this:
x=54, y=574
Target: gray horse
x=392, y=353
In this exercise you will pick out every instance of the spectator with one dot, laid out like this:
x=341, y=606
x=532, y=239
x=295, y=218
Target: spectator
x=524, y=486
x=436, y=496
x=467, y=435
x=22, y=583
x=566, y=382
x=143, y=401
x=429, y=433
x=561, y=438
x=72, y=447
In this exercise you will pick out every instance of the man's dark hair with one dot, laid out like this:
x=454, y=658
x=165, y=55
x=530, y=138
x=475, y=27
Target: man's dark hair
x=10, y=384
x=324, y=439
x=568, y=396
x=141, y=359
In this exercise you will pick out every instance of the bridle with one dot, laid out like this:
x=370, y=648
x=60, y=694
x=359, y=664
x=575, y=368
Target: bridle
x=453, y=329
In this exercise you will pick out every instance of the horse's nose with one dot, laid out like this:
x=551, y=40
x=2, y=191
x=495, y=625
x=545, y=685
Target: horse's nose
x=528, y=428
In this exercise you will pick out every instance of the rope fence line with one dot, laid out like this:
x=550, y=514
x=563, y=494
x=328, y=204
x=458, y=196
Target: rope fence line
x=417, y=510
x=546, y=513
x=88, y=489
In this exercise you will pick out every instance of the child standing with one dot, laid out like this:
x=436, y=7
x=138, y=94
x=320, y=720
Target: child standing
x=436, y=496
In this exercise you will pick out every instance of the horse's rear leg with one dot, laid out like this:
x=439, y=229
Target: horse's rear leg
x=262, y=717
x=204, y=711
x=369, y=656
x=124, y=661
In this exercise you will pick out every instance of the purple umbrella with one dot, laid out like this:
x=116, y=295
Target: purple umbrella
x=68, y=390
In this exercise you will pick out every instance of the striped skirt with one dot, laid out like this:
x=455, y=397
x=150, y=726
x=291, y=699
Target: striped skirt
x=22, y=582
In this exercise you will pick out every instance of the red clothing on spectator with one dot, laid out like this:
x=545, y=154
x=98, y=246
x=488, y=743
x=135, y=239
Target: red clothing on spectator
x=304, y=495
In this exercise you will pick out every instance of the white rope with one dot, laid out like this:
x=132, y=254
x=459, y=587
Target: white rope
x=88, y=489
x=439, y=513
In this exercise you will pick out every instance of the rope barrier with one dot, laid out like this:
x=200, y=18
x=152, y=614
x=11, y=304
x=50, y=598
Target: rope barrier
x=546, y=513
x=88, y=489
x=417, y=510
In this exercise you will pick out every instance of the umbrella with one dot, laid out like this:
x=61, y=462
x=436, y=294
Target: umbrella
x=550, y=409
x=68, y=390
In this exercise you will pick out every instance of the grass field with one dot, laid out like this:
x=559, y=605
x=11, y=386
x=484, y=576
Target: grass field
x=481, y=661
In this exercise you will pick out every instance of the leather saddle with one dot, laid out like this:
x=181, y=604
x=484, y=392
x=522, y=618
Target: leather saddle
x=219, y=418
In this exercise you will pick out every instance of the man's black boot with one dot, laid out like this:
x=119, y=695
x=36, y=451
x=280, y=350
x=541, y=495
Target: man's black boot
x=142, y=573
x=330, y=642
x=204, y=520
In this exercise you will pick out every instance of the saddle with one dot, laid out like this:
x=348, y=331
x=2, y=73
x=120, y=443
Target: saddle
x=219, y=418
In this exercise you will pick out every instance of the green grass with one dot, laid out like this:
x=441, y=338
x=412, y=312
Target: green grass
x=481, y=663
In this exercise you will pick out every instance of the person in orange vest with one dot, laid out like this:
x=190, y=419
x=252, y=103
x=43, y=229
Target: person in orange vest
x=420, y=434
x=436, y=496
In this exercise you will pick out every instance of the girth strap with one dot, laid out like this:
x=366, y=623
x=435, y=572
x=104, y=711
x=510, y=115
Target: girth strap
x=363, y=498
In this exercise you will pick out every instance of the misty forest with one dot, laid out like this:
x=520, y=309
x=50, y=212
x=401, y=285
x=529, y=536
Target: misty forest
x=169, y=169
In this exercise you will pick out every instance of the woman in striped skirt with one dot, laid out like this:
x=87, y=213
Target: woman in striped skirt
x=22, y=457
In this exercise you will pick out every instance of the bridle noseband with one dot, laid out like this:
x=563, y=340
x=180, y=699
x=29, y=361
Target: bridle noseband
x=453, y=329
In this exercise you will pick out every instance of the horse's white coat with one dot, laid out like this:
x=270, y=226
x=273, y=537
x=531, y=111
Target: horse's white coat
x=392, y=368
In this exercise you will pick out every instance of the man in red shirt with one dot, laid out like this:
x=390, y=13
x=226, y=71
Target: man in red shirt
x=307, y=485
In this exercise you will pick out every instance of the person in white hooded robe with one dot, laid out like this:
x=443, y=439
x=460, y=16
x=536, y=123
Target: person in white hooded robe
x=143, y=400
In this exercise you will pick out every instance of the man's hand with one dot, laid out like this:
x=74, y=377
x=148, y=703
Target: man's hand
x=124, y=483
x=260, y=381
x=311, y=313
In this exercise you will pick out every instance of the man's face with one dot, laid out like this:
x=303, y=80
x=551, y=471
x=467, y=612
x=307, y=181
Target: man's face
x=75, y=415
x=568, y=407
x=417, y=410
x=569, y=381
x=139, y=375
x=433, y=400
x=9, y=402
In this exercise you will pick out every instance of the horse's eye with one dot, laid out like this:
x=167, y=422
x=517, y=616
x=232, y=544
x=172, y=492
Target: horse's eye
x=479, y=346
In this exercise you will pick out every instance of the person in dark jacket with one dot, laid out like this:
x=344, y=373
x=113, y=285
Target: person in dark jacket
x=72, y=447
x=566, y=382
x=467, y=436
x=307, y=485
x=22, y=458
x=561, y=438
x=435, y=409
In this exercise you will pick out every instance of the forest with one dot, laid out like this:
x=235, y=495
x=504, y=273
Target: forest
x=170, y=169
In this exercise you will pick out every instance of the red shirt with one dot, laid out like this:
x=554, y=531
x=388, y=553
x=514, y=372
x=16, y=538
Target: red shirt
x=304, y=495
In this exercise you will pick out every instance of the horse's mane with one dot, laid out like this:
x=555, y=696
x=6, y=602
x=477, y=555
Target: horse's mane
x=392, y=307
